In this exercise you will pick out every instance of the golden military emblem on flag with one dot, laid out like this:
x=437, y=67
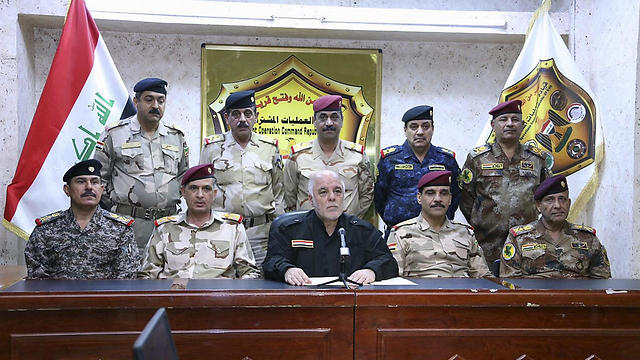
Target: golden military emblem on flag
x=558, y=115
x=285, y=93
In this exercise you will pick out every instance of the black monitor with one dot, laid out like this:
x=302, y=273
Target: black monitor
x=155, y=341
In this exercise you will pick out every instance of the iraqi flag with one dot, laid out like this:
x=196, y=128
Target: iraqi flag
x=559, y=109
x=82, y=94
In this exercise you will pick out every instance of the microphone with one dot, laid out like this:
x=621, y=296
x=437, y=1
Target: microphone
x=344, y=250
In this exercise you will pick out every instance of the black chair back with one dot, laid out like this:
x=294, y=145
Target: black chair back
x=156, y=342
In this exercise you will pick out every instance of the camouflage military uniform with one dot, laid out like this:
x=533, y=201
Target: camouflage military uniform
x=497, y=193
x=399, y=171
x=219, y=248
x=529, y=252
x=250, y=183
x=105, y=249
x=348, y=160
x=423, y=252
x=143, y=175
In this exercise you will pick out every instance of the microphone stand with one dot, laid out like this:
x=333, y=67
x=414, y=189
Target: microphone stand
x=344, y=254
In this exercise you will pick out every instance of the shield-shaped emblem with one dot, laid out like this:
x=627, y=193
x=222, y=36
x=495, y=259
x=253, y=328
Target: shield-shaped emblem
x=559, y=117
x=284, y=99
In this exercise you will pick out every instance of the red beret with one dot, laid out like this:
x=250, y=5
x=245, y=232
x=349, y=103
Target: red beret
x=552, y=185
x=328, y=103
x=507, y=107
x=435, y=178
x=198, y=172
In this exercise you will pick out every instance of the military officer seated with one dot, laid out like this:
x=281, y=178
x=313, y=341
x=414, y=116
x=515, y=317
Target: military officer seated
x=84, y=241
x=430, y=245
x=199, y=243
x=304, y=244
x=552, y=247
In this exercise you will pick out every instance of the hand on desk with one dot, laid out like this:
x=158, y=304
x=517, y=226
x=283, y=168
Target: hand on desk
x=363, y=276
x=296, y=276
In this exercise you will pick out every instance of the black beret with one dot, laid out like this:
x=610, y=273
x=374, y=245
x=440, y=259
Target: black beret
x=87, y=167
x=240, y=100
x=552, y=185
x=420, y=112
x=151, y=84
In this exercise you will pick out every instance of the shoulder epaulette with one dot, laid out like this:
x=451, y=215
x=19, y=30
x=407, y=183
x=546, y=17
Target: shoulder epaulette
x=45, y=219
x=479, y=150
x=213, y=138
x=388, y=151
x=175, y=127
x=405, y=223
x=583, y=228
x=116, y=124
x=232, y=217
x=447, y=151
x=165, y=219
x=354, y=147
x=119, y=218
x=521, y=229
x=466, y=226
x=268, y=140
x=536, y=151
x=299, y=147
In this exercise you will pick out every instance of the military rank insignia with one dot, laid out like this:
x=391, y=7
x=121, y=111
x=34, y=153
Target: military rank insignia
x=436, y=167
x=533, y=246
x=527, y=165
x=302, y=244
x=508, y=251
x=580, y=245
x=492, y=166
x=387, y=151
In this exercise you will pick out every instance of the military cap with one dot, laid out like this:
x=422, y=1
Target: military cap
x=241, y=100
x=552, y=185
x=507, y=107
x=87, y=167
x=435, y=178
x=420, y=112
x=328, y=103
x=151, y=84
x=198, y=172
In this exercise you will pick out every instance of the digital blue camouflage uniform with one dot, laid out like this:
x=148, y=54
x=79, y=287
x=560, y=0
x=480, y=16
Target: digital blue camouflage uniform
x=104, y=249
x=399, y=171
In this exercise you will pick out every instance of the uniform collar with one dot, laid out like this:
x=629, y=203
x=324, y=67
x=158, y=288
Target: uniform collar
x=135, y=127
x=423, y=224
x=339, y=150
x=182, y=219
x=540, y=230
x=230, y=141
x=408, y=151
x=497, y=151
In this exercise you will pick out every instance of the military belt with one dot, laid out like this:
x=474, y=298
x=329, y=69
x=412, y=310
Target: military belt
x=255, y=221
x=145, y=213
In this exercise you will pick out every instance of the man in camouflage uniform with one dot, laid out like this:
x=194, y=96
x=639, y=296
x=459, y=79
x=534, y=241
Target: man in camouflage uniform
x=199, y=243
x=401, y=167
x=553, y=247
x=84, y=241
x=498, y=181
x=143, y=161
x=329, y=152
x=431, y=245
x=248, y=171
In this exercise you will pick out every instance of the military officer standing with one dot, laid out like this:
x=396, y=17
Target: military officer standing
x=84, y=241
x=431, y=245
x=498, y=181
x=143, y=160
x=199, y=243
x=329, y=152
x=248, y=171
x=552, y=247
x=401, y=167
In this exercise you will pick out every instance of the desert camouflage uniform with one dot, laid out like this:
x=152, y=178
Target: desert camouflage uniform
x=423, y=252
x=529, y=252
x=219, y=248
x=250, y=183
x=105, y=249
x=497, y=193
x=348, y=160
x=142, y=173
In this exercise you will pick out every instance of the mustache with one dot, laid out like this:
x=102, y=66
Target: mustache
x=437, y=205
x=154, y=111
x=88, y=193
x=243, y=124
x=329, y=127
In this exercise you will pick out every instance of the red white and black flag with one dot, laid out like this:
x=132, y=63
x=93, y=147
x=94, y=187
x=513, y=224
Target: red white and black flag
x=82, y=94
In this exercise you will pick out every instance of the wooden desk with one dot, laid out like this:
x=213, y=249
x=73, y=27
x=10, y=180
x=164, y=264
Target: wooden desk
x=440, y=320
x=260, y=319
